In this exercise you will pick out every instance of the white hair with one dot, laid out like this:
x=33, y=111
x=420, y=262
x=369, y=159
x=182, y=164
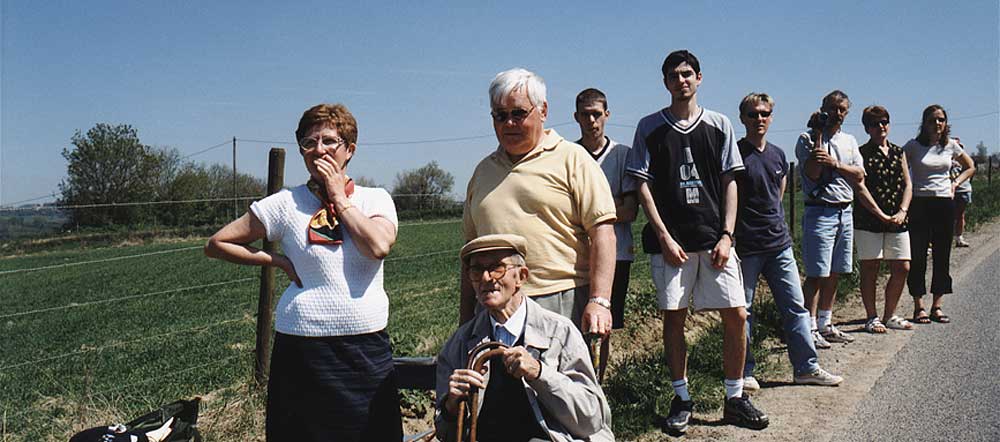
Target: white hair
x=511, y=80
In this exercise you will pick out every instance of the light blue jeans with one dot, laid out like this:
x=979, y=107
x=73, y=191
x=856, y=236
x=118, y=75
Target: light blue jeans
x=782, y=276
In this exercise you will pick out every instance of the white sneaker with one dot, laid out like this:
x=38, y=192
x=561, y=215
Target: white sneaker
x=961, y=242
x=819, y=342
x=818, y=377
x=750, y=384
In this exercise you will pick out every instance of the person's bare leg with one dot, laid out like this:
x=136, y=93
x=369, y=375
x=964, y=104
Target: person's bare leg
x=674, y=345
x=810, y=292
x=869, y=277
x=898, y=269
x=828, y=291
x=734, y=342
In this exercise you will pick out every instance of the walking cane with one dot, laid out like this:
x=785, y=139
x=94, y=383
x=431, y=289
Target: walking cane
x=477, y=358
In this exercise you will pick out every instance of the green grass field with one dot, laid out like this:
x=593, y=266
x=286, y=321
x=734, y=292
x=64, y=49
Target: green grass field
x=100, y=334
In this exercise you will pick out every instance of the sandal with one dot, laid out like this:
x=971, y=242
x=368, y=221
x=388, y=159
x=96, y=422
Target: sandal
x=920, y=316
x=875, y=325
x=937, y=316
x=898, y=323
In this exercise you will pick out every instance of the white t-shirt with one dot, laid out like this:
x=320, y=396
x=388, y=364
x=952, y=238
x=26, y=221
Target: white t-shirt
x=612, y=161
x=342, y=291
x=930, y=167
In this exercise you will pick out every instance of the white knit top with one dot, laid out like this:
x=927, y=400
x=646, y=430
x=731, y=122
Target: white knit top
x=342, y=291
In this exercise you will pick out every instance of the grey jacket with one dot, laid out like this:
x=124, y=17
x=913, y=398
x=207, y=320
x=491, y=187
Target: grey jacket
x=566, y=398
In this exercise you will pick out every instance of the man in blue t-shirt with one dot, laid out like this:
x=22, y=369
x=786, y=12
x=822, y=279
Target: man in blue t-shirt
x=685, y=160
x=765, y=246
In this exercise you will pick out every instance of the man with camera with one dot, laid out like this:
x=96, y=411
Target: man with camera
x=831, y=167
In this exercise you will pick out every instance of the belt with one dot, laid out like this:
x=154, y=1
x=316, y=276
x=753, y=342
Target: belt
x=826, y=204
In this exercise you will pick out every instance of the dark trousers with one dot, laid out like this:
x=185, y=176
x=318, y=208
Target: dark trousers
x=618, y=290
x=340, y=388
x=932, y=221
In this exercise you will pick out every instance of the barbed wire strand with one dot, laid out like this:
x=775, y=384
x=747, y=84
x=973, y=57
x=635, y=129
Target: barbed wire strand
x=395, y=143
x=169, y=374
x=966, y=117
x=124, y=298
x=51, y=195
x=216, y=146
x=428, y=223
x=96, y=261
x=130, y=204
x=199, y=328
x=422, y=255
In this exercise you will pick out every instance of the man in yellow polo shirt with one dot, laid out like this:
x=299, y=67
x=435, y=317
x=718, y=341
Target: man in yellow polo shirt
x=548, y=190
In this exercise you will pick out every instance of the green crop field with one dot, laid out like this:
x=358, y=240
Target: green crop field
x=104, y=328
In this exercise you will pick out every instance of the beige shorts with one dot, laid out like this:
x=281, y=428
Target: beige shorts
x=697, y=283
x=882, y=245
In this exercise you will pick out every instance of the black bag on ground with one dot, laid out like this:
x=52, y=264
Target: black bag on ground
x=174, y=422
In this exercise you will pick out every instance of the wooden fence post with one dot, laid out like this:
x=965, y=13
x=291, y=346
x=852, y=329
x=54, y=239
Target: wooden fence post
x=791, y=199
x=275, y=181
x=989, y=169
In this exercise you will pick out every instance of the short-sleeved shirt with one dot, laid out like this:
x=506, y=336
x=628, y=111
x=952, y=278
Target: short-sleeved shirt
x=834, y=187
x=760, y=222
x=612, y=160
x=683, y=166
x=551, y=197
x=886, y=183
x=342, y=292
x=930, y=166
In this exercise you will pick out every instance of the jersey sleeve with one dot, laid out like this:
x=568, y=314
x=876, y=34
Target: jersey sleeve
x=732, y=161
x=637, y=162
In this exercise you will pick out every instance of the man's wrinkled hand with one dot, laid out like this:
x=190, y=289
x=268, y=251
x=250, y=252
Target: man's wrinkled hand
x=596, y=319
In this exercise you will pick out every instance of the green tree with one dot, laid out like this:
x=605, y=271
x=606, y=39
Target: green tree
x=982, y=152
x=108, y=165
x=425, y=188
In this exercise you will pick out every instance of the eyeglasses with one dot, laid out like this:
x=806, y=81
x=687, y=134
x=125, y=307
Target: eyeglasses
x=310, y=144
x=515, y=115
x=497, y=271
x=756, y=114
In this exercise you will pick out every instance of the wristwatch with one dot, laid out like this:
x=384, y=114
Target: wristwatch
x=729, y=234
x=600, y=301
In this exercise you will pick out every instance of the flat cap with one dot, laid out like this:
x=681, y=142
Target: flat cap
x=498, y=241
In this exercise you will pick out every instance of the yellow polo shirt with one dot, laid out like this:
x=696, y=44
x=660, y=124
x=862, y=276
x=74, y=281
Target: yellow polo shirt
x=551, y=197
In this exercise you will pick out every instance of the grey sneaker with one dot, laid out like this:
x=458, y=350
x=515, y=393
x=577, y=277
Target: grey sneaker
x=819, y=342
x=680, y=415
x=832, y=334
x=819, y=377
x=750, y=384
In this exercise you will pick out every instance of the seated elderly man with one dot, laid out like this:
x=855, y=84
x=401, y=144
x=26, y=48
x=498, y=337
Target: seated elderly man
x=543, y=387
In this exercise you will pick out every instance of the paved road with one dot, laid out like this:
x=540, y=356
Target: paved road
x=945, y=383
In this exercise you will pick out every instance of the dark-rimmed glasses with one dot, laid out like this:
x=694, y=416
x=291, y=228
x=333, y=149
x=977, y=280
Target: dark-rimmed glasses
x=496, y=271
x=515, y=115
x=310, y=144
x=755, y=114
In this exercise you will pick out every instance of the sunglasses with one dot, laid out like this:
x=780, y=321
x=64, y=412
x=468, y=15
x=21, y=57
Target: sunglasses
x=496, y=271
x=310, y=144
x=940, y=119
x=515, y=115
x=756, y=114
x=879, y=123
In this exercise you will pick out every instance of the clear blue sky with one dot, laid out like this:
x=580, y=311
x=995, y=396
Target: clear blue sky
x=191, y=74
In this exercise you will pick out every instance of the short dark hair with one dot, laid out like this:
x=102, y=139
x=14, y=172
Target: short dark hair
x=591, y=95
x=835, y=95
x=873, y=114
x=676, y=58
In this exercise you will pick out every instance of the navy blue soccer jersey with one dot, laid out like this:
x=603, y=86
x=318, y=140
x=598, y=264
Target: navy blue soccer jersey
x=683, y=166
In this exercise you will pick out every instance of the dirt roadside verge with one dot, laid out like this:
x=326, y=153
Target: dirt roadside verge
x=816, y=413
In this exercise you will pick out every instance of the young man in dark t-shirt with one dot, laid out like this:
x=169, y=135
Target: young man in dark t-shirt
x=765, y=246
x=685, y=160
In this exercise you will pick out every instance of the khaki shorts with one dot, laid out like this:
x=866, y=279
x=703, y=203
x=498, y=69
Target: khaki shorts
x=697, y=283
x=882, y=245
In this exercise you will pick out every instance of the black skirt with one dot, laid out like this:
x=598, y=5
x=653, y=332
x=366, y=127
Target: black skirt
x=339, y=388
